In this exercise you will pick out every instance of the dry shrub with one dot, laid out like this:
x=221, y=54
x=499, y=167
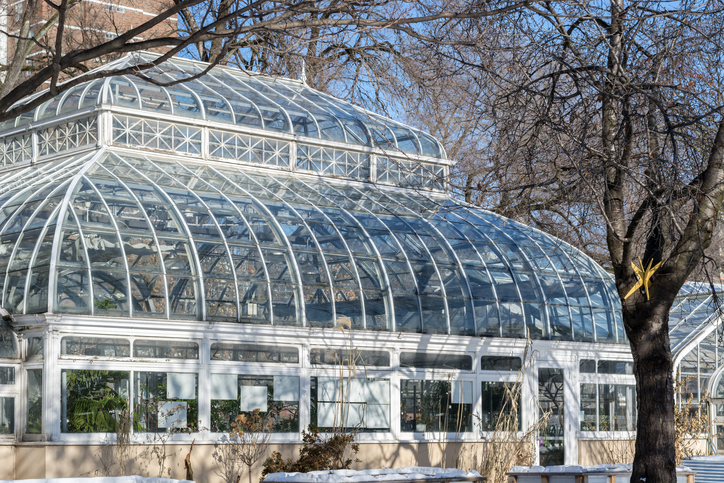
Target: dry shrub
x=691, y=420
x=506, y=446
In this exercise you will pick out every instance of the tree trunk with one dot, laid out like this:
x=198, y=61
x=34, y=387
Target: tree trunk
x=655, y=458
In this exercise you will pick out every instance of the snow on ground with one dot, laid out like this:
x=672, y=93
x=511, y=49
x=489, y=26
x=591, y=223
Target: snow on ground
x=349, y=476
x=103, y=479
x=619, y=468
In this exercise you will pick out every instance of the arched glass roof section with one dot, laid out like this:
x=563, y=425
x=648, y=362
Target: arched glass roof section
x=697, y=337
x=235, y=97
x=114, y=234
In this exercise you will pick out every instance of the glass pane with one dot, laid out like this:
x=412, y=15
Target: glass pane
x=148, y=295
x=35, y=401
x=8, y=343
x=428, y=406
x=350, y=403
x=434, y=320
x=615, y=367
x=221, y=351
x=284, y=300
x=95, y=347
x=589, y=408
x=37, y=302
x=73, y=291
x=587, y=366
x=182, y=297
x=560, y=321
x=7, y=375
x=551, y=397
x=605, y=329
x=110, y=292
x=7, y=415
x=353, y=357
x=220, y=299
x=34, y=349
x=276, y=398
x=254, y=301
x=93, y=401
x=486, y=314
x=161, y=349
x=499, y=413
x=500, y=363
x=535, y=321
x=504, y=285
x=426, y=360
x=512, y=320
x=165, y=402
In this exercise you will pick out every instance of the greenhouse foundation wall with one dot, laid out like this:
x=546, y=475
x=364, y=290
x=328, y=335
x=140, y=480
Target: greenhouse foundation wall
x=26, y=460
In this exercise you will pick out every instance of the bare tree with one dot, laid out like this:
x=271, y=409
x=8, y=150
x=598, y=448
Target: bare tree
x=260, y=34
x=610, y=113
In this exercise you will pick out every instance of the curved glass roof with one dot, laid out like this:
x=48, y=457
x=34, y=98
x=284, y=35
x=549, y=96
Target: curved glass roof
x=231, y=96
x=695, y=311
x=114, y=234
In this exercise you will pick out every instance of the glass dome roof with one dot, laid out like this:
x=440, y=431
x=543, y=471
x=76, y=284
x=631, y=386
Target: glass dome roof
x=110, y=233
x=235, y=97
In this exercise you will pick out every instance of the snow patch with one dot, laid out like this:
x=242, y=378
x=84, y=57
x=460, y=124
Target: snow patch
x=102, y=479
x=381, y=474
x=567, y=469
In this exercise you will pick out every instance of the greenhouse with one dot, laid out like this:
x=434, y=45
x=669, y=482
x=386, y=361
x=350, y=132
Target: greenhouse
x=239, y=242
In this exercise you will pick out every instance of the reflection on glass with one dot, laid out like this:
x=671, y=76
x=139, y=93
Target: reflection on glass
x=34, y=419
x=497, y=405
x=162, y=349
x=436, y=406
x=165, y=402
x=550, y=394
x=345, y=403
x=254, y=353
x=95, y=346
x=277, y=398
x=7, y=415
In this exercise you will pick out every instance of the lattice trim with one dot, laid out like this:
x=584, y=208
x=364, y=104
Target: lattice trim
x=68, y=135
x=18, y=149
x=156, y=135
x=249, y=149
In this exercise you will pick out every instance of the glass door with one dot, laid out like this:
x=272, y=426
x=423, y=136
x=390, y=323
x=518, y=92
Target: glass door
x=551, y=400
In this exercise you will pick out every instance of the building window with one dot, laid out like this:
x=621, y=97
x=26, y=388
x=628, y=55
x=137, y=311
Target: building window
x=276, y=397
x=35, y=401
x=500, y=363
x=34, y=350
x=497, y=405
x=7, y=376
x=254, y=353
x=346, y=404
x=163, y=349
x=165, y=401
x=440, y=406
x=354, y=357
x=590, y=366
x=7, y=415
x=93, y=401
x=608, y=407
x=95, y=347
x=425, y=360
